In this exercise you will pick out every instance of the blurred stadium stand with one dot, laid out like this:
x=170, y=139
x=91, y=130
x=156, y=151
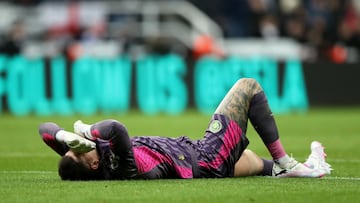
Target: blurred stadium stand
x=322, y=37
x=311, y=30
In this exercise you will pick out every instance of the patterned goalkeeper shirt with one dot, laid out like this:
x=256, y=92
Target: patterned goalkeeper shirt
x=153, y=157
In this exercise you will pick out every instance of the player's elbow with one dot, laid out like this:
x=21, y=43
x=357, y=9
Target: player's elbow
x=48, y=128
x=115, y=127
x=119, y=127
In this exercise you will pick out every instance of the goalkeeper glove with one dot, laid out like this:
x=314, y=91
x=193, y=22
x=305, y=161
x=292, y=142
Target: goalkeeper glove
x=75, y=142
x=82, y=129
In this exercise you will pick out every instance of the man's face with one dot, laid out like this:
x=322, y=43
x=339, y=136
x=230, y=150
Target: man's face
x=89, y=159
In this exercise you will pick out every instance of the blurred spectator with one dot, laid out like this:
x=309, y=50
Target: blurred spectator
x=327, y=26
x=263, y=19
x=269, y=28
x=347, y=42
x=13, y=41
x=349, y=26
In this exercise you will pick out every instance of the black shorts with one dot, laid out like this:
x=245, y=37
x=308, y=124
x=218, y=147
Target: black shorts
x=221, y=147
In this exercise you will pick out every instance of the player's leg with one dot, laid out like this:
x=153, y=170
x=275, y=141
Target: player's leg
x=247, y=100
x=250, y=164
x=227, y=129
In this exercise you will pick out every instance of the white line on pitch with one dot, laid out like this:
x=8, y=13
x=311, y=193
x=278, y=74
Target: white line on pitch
x=341, y=178
x=29, y=172
x=343, y=160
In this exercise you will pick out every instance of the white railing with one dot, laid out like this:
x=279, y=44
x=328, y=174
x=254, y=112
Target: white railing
x=151, y=25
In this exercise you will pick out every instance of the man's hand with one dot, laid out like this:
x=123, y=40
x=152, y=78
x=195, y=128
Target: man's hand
x=75, y=142
x=82, y=129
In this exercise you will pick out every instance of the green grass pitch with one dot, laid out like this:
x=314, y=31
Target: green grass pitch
x=28, y=167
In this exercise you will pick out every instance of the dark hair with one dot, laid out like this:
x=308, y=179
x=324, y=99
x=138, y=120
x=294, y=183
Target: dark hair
x=69, y=169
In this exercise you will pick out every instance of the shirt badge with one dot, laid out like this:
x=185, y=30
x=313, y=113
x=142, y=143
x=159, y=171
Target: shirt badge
x=215, y=126
x=181, y=157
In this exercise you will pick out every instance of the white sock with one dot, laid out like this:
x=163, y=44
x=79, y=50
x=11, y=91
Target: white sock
x=283, y=160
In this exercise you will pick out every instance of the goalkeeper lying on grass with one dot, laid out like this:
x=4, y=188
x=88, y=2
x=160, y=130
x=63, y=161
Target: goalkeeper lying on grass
x=105, y=151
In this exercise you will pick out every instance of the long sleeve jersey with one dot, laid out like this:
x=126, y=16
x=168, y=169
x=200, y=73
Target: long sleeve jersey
x=122, y=157
x=153, y=157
